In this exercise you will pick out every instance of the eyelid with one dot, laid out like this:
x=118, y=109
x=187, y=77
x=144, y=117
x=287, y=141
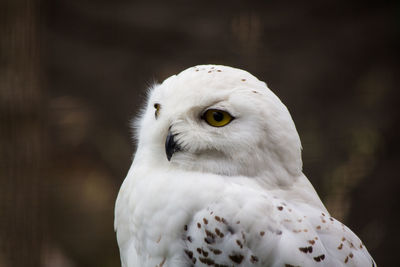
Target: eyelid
x=216, y=109
x=219, y=105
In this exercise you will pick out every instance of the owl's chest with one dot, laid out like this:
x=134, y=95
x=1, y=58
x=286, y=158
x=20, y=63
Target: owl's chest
x=158, y=208
x=168, y=213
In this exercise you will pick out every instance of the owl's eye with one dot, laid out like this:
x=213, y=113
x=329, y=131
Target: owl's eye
x=217, y=118
x=157, y=112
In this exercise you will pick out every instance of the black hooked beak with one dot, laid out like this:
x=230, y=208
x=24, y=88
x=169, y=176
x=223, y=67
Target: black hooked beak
x=170, y=145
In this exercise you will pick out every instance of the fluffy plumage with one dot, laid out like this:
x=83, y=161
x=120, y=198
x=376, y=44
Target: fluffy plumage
x=224, y=196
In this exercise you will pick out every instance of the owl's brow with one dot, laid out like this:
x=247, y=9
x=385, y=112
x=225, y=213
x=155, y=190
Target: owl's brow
x=213, y=104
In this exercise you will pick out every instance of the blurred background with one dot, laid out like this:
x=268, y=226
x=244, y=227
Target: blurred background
x=73, y=74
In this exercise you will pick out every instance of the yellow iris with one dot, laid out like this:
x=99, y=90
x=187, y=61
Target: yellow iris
x=157, y=107
x=217, y=118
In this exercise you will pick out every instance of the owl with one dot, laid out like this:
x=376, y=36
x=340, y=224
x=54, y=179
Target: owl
x=217, y=181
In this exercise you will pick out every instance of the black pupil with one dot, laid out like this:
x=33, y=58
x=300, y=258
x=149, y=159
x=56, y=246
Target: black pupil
x=218, y=116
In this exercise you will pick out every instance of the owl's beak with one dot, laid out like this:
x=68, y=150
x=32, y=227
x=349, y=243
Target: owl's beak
x=170, y=145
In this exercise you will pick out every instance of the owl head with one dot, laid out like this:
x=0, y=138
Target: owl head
x=220, y=120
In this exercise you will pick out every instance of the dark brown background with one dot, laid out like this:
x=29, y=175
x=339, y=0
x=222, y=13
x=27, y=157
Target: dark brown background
x=73, y=74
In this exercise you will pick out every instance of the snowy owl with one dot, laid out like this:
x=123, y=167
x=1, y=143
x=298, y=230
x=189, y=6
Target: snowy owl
x=217, y=181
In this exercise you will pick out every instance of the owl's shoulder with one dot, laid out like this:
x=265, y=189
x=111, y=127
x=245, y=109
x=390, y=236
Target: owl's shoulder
x=268, y=231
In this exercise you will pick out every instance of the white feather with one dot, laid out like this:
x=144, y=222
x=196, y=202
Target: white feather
x=234, y=195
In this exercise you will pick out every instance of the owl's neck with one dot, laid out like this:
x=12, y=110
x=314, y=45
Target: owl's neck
x=266, y=168
x=286, y=185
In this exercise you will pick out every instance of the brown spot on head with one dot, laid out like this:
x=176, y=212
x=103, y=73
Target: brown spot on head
x=237, y=258
x=319, y=227
x=312, y=242
x=219, y=70
x=197, y=70
x=199, y=250
x=278, y=232
x=346, y=259
x=189, y=238
x=340, y=246
x=185, y=227
x=217, y=218
x=323, y=214
x=243, y=80
x=343, y=238
x=209, y=71
x=237, y=222
x=331, y=219
x=280, y=208
x=262, y=233
x=351, y=255
x=198, y=225
x=205, y=221
x=305, y=230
